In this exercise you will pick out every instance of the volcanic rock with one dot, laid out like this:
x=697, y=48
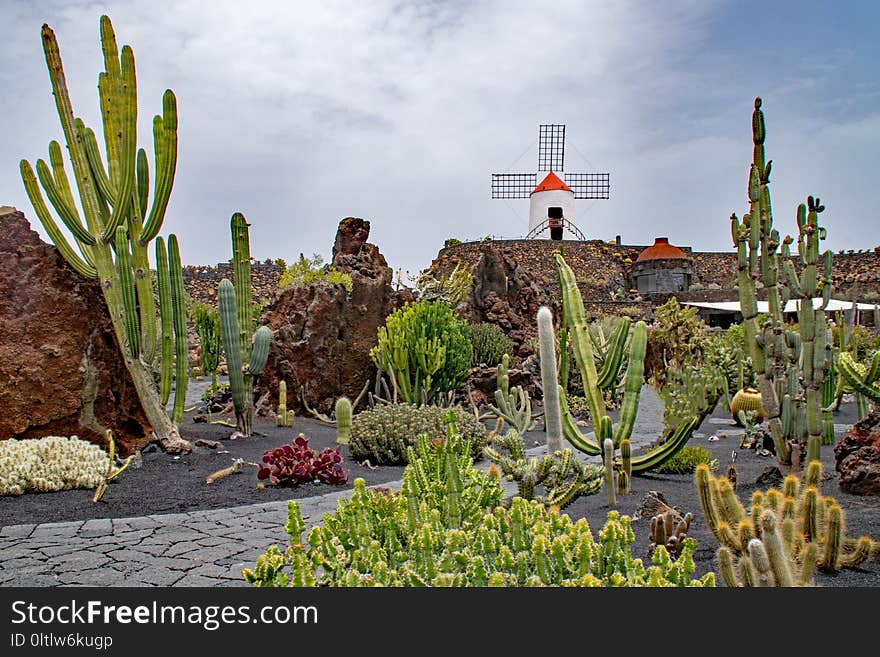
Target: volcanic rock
x=858, y=457
x=60, y=369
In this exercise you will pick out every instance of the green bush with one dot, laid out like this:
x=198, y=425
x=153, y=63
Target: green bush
x=687, y=460
x=424, y=350
x=383, y=433
x=307, y=271
x=207, y=325
x=490, y=344
x=447, y=528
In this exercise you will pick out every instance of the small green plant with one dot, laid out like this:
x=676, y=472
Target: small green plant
x=451, y=289
x=490, y=344
x=207, y=324
x=514, y=405
x=424, y=350
x=307, y=271
x=383, y=433
x=284, y=417
x=343, y=420
x=687, y=460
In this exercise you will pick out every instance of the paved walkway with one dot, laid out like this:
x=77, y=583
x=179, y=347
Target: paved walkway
x=202, y=548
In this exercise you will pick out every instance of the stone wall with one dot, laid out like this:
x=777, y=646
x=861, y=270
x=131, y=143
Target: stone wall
x=201, y=281
x=602, y=267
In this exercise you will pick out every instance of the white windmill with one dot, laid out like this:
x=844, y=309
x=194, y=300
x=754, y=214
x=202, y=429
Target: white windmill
x=551, y=200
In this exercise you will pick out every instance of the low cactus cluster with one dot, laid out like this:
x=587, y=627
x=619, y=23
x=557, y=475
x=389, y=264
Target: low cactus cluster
x=50, y=464
x=446, y=528
x=809, y=525
x=490, y=343
x=383, y=433
x=669, y=529
x=562, y=477
x=512, y=404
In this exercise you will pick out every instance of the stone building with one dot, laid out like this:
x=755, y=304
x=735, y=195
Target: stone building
x=662, y=268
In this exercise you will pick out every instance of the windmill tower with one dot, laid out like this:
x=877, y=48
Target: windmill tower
x=551, y=202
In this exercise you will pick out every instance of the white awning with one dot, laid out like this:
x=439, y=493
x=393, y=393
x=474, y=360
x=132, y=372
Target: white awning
x=790, y=307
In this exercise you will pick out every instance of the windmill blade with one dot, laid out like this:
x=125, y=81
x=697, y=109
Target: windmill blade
x=589, y=185
x=513, y=185
x=551, y=147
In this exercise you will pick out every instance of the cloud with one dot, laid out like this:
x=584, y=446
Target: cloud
x=299, y=114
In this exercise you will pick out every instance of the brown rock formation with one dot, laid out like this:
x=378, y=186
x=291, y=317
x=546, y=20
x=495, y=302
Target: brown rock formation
x=322, y=334
x=60, y=373
x=858, y=457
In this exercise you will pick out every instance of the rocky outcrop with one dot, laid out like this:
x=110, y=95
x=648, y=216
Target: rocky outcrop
x=60, y=372
x=322, y=334
x=858, y=457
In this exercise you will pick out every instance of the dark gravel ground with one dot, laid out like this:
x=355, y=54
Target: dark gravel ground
x=169, y=484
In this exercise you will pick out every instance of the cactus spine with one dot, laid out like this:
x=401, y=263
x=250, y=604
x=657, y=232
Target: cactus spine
x=111, y=199
x=246, y=351
x=547, y=349
x=776, y=351
x=343, y=420
x=284, y=417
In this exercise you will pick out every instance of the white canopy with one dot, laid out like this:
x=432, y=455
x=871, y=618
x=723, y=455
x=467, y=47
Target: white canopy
x=790, y=307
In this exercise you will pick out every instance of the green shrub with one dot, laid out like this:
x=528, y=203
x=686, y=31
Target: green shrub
x=447, y=528
x=207, y=325
x=687, y=460
x=383, y=433
x=307, y=271
x=490, y=343
x=451, y=289
x=424, y=350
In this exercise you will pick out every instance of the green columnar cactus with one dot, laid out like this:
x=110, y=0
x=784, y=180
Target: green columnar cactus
x=804, y=524
x=863, y=380
x=112, y=199
x=574, y=320
x=775, y=351
x=343, y=420
x=513, y=405
x=207, y=325
x=284, y=417
x=241, y=371
x=549, y=378
x=625, y=474
x=608, y=462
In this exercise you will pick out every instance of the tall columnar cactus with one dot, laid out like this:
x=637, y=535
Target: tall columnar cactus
x=774, y=350
x=574, y=320
x=284, y=417
x=343, y=420
x=246, y=351
x=547, y=350
x=111, y=244
x=608, y=461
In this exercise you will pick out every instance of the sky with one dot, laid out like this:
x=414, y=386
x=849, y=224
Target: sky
x=299, y=114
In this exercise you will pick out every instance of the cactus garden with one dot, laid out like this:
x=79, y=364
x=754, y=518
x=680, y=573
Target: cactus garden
x=428, y=435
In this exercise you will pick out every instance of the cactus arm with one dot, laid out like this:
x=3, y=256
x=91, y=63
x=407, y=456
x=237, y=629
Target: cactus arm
x=68, y=214
x=105, y=187
x=614, y=354
x=635, y=375
x=36, y=198
x=260, y=351
x=143, y=182
x=166, y=319
x=126, y=282
x=178, y=306
x=241, y=260
x=608, y=463
x=670, y=448
x=165, y=145
x=571, y=431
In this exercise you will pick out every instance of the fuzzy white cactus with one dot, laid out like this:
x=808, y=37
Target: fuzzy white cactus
x=50, y=464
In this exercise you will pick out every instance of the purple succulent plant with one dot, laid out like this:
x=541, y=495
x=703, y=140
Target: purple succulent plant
x=296, y=463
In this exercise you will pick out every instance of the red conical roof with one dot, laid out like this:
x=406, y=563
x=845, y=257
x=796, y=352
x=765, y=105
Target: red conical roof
x=551, y=181
x=661, y=249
